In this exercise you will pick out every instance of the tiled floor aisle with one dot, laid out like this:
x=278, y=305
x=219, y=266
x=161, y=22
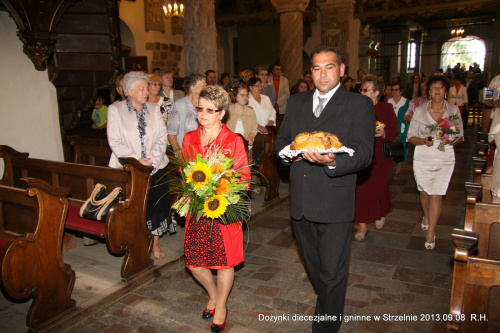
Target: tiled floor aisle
x=390, y=274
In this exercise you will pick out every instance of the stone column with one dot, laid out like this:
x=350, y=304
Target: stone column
x=403, y=67
x=339, y=28
x=291, y=36
x=200, y=36
x=494, y=63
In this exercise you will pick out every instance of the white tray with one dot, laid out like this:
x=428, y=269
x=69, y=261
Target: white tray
x=287, y=154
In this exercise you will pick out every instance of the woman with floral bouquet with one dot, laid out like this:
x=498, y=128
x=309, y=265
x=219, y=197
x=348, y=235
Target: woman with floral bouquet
x=435, y=128
x=215, y=171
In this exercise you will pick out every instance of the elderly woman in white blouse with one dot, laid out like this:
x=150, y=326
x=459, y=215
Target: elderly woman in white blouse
x=457, y=95
x=266, y=115
x=136, y=129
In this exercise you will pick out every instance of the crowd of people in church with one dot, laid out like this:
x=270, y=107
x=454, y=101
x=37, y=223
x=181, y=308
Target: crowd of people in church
x=151, y=116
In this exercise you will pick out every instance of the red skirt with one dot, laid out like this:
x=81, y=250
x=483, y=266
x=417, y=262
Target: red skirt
x=209, y=244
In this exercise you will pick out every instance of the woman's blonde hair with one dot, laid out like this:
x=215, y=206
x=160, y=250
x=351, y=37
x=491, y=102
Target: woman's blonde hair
x=215, y=95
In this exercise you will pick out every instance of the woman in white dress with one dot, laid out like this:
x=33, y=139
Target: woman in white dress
x=494, y=137
x=457, y=95
x=266, y=115
x=434, y=157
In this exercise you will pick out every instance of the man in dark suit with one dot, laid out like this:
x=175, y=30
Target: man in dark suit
x=322, y=187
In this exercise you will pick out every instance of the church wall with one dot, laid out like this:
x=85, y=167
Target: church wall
x=314, y=40
x=225, y=47
x=258, y=45
x=132, y=14
x=28, y=102
x=389, y=47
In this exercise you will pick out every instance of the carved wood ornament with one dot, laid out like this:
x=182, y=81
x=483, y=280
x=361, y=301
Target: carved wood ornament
x=37, y=22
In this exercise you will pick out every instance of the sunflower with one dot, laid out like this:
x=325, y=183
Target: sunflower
x=215, y=206
x=200, y=175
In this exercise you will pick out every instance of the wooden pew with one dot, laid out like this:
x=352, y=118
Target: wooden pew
x=479, y=165
x=268, y=168
x=482, y=137
x=32, y=226
x=483, y=218
x=476, y=288
x=125, y=230
x=482, y=149
x=89, y=151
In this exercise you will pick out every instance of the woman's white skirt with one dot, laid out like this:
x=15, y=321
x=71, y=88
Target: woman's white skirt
x=433, y=168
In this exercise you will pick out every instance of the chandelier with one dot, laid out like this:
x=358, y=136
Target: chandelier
x=174, y=9
x=458, y=32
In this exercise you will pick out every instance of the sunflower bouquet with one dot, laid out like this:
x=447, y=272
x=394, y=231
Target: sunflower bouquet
x=211, y=187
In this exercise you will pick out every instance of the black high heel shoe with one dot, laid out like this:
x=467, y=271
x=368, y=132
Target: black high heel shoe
x=216, y=328
x=208, y=313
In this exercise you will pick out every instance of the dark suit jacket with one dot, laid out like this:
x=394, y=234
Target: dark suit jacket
x=318, y=193
x=472, y=93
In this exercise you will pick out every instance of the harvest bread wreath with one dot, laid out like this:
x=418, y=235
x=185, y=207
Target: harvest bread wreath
x=315, y=140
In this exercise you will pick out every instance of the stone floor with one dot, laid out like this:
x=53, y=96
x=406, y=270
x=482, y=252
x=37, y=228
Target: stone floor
x=391, y=274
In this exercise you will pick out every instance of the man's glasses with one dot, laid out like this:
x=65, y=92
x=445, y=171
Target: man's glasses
x=209, y=111
x=155, y=84
x=244, y=95
x=365, y=89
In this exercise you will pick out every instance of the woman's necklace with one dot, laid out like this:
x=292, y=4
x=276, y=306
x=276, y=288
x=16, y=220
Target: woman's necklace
x=443, y=108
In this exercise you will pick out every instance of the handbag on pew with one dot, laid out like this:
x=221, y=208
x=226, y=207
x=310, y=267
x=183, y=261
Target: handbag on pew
x=393, y=148
x=100, y=202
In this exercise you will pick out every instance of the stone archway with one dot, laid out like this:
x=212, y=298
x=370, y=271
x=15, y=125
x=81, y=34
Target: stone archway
x=466, y=50
x=127, y=37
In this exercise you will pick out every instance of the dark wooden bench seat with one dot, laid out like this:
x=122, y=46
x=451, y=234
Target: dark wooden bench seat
x=483, y=218
x=475, y=294
x=32, y=226
x=125, y=230
x=89, y=151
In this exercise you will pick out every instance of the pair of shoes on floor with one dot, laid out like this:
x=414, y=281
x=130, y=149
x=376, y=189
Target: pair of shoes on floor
x=89, y=241
x=431, y=246
x=379, y=224
x=208, y=313
x=159, y=255
x=216, y=328
x=360, y=236
x=424, y=227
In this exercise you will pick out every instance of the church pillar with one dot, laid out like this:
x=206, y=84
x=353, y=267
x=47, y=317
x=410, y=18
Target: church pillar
x=495, y=59
x=403, y=67
x=291, y=36
x=341, y=29
x=200, y=36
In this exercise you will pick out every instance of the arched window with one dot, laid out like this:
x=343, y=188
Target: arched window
x=463, y=50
